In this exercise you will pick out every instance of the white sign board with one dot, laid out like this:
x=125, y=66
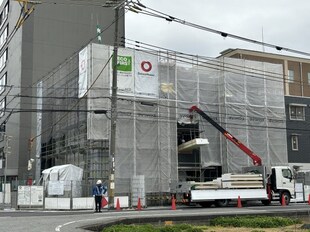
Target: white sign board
x=55, y=188
x=36, y=195
x=137, y=74
x=125, y=78
x=146, y=75
x=83, y=72
x=23, y=195
x=30, y=195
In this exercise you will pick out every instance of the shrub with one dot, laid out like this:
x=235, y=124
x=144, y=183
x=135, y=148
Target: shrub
x=130, y=228
x=180, y=228
x=151, y=228
x=254, y=222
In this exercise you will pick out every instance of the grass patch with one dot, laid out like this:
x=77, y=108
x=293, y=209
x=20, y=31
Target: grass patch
x=151, y=228
x=245, y=223
x=254, y=222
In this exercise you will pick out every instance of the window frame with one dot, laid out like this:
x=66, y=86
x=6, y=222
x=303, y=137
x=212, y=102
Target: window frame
x=3, y=59
x=290, y=77
x=286, y=173
x=2, y=107
x=296, y=117
x=4, y=14
x=4, y=36
x=294, y=142
x=3, y=83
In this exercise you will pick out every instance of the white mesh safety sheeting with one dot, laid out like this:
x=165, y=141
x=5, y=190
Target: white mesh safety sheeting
x=241, y=100
x=244, y=97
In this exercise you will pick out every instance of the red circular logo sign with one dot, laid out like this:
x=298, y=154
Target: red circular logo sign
x=146, y=66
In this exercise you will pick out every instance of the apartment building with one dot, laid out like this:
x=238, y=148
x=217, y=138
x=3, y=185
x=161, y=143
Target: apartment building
x=51, y=34
x=296, y=81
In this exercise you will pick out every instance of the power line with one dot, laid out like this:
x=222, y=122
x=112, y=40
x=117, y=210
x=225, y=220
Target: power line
x=216, y=64
x=137, y=7
x=196, y=60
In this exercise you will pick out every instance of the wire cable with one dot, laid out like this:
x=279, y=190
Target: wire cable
x=155, y=13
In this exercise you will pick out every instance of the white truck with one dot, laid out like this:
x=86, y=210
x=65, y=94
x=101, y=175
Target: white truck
x=255, y=184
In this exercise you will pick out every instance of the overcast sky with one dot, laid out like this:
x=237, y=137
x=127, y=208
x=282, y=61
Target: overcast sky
x=280, y=22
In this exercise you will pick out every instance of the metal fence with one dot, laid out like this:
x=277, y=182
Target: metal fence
x=52, y=193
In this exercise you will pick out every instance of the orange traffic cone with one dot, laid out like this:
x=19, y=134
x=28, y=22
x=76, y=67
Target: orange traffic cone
x=118, y=207
x=309, y=199
x=173, y=207
x=139, y=204
x=283, y=201
x=239, y=205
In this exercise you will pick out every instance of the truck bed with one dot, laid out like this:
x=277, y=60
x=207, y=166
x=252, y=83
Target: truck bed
x=230, y=194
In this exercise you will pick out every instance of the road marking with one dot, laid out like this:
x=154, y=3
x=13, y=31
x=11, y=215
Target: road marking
x=132, y=214
x=58, y=228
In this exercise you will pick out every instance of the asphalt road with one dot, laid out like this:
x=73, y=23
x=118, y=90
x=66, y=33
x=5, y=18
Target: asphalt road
x=65, y=221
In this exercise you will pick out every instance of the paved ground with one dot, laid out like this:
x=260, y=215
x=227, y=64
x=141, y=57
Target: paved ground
x=65, y=221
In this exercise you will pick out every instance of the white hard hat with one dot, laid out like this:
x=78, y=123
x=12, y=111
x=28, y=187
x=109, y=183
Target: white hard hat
x=99, y=182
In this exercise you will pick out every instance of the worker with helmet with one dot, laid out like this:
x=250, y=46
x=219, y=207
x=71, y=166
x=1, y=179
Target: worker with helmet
x=98, y=191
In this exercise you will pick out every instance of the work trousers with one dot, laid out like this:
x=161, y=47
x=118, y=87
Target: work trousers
x=98, y=203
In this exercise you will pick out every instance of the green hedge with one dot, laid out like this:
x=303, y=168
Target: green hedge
x=151, y=228
x=238, y=221
x=254, y=221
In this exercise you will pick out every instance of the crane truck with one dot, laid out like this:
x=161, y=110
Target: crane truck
x=256, y=184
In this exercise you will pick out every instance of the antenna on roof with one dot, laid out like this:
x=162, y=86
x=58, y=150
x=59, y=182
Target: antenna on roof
x=263, y=39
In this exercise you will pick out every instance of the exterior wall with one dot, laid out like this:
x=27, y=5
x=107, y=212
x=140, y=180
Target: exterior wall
x=52, y=34
x=257, y=58
x=306, y=85
x=295, y=88
x=299, y=128
x=13, y=70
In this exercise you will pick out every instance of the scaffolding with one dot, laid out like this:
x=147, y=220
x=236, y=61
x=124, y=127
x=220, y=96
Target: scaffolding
x=245, y=97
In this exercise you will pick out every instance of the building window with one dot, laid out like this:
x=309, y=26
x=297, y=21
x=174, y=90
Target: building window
x=2, y=83
x=297, y=112
x=4, y=15
x=3, y=37
x=2, y=131
x=294, y=142
x=290, y=77
x=3, y=59
x=2, y=107
x=308, y=78
x=286, y=173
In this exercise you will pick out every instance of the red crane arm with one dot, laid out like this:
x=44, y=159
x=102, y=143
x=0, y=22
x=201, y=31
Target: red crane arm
x=257, y=161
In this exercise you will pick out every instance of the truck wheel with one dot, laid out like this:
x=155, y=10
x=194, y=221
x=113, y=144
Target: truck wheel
x=287, y=198
x=266, y=202
x=222, y=203
x=206, y=204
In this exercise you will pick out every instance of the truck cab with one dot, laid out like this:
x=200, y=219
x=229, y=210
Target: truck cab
x=282, y=183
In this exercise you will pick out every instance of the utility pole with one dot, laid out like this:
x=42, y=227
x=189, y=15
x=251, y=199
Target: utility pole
x=113, y=115
x=6, y=152
x=116, y=4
